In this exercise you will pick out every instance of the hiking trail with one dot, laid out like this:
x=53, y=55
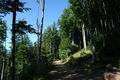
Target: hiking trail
x=64, y=72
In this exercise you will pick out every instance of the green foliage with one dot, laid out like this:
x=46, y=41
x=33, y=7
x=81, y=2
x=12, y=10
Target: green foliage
x=36, y=69
x=3, y=29
x=51, y=41
x=67, y=23
x=102, y=31
x=79, y=9
x=27, y=63
x=64, y=48
x=97, y=40
x=68, y=26
x=22, y=54
x=6, y=6
x=22, y=27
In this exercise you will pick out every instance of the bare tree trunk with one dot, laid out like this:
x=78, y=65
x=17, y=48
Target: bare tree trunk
x=72, y=37
x=93, y=54
x=38, y=30
x=41, y=28
x=73, y=42
x=50, y=47
x=38, y=35
x=105, y=13
x=84, y=36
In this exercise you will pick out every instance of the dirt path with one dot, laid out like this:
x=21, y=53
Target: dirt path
x=64, y=72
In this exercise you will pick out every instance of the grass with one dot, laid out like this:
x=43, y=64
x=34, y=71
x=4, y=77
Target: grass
x=81, y=53
x=74, y=58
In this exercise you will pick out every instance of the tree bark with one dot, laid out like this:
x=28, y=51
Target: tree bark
x=84, y=37
x=13, y=39
x=41, y=28
x=73, y=42
x=2, y=72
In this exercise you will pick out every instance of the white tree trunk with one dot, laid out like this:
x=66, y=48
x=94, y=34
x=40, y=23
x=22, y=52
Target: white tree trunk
x=73, y=42
x=84, y=37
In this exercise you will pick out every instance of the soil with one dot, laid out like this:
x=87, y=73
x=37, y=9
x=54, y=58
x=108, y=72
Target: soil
x=65, y=72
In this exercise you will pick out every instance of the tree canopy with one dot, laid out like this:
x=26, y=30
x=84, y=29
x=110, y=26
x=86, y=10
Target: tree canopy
x=85, y=37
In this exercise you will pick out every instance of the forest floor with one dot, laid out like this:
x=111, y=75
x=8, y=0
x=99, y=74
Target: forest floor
x=65, y=72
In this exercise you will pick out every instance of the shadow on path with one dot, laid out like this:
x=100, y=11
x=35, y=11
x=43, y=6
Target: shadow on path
x=64, y=72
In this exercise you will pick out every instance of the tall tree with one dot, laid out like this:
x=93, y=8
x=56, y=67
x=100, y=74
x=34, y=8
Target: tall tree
x=7, y=7
x=78, y=8
x=68, y=23
x=3, y=36
x=13, y=38
x=51, y=41
x=42, y=4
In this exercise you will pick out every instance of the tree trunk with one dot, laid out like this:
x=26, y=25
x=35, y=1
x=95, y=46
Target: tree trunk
x=41, y=28
x=91, y=31
x=84, y=37
x=13, y=39
x=93, y=54
x=2, y=72
x=73, y=42
x=89, y=19
x=105, y=14
x=72, y=37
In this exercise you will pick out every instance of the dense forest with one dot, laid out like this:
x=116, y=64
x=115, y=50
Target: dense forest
x=86, y=37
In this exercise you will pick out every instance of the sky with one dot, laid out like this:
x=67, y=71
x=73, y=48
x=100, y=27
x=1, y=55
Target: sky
x=53, y=11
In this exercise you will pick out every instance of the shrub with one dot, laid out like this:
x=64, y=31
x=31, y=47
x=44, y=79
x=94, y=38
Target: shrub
x=35, y=69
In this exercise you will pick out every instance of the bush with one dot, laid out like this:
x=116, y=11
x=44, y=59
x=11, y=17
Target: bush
x=35, y=69
x=66, y=48
x=97, y=41
x=73, y=48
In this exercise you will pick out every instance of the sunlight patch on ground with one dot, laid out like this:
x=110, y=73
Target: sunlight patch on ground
x=59, y=62
x=88, y=52
x=72, y=75
x=76, y=55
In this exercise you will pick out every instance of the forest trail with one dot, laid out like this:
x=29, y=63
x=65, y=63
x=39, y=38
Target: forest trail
x=64, y=72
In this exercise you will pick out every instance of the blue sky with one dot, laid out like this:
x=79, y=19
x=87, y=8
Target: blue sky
x=53, y=10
